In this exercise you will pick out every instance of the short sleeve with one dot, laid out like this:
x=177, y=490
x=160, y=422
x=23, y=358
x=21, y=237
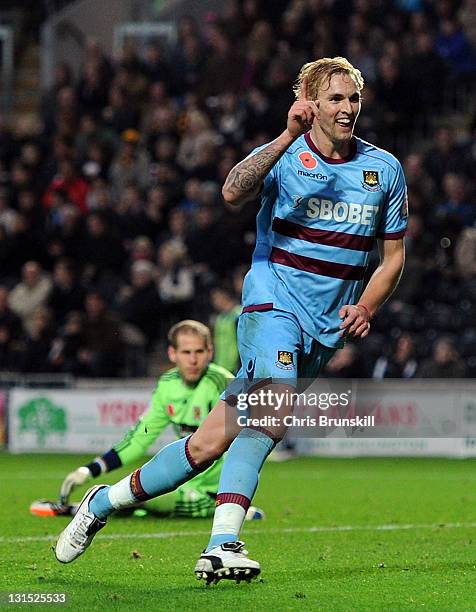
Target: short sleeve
x=394, y=219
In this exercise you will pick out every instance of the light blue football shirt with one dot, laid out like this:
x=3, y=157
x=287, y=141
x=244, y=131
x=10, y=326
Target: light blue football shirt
x=316, y=227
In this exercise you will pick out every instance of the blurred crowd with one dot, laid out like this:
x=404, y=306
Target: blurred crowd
x=112, y=225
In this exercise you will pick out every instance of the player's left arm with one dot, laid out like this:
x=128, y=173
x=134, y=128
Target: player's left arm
x=382, y=283
x=390, y=231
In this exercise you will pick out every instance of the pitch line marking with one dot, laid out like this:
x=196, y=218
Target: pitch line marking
x=317, y=529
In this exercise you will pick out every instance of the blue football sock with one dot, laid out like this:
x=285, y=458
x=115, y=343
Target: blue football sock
x=238, y=482
x=168, y=469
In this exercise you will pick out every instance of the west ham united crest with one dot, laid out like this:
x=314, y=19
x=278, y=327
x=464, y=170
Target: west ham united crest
x=371, y=180
x=285, y=360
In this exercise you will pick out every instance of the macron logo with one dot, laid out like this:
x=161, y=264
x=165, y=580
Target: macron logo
x=313, y=175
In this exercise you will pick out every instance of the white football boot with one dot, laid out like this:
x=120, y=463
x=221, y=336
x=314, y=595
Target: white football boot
x=80, y=532
x=228, y=561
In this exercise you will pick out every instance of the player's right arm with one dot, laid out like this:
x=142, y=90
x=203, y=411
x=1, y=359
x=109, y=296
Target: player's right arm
x=244, y=181
x=132, y=447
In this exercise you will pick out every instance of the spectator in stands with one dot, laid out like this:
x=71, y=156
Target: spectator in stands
x=444, y=156
x=165, y=150
x=426, y=66
x=457, y=209
x=346, y=363
x=359, y=56
x=7, y=262
x=156, y=66
x=465, y=254
x=66, y=347
x=69, y=182
x=36, y=343
x=131, y=75
x=453, y=46
x=231, y=118
x=29, y=205
x=69, y=231
x=92, y=90
x=189, y=63
x=61, y=148
x=198, y=136
x=119, y=115
x=66, y=292
x=467, y=17
x=8, y=319
x=100, y=197
x=95, y=53
x=96, y=162
x=131, y=218
x=10, y=353
x=7, y=147
x=418, y=242
x=155, y=211
x=101, y=252
x=8, y=216
x=30, y=294
x=418, y=178
x=91, y=131
x=203, y=240
x=399, y=362
x=221, y=54
x=393, y=94
x=63, y=77
x=178, y=228
x=444, y=362
x=62, y=117
x=176, y=281
x=139, y=302
x=131, y=164
x=102, y=352
x=26, y=243
x=142, y=249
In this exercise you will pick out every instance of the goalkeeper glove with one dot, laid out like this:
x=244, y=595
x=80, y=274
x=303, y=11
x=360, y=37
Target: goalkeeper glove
x=81, y=476
x=74, y=479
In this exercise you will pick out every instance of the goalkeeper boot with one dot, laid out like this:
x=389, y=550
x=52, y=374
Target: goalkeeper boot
x=228, y=561
x=80, y=532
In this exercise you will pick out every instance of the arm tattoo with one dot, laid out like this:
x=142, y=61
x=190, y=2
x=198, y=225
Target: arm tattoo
x=246, y=177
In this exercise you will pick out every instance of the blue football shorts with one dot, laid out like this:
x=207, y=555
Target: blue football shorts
x=274, y=347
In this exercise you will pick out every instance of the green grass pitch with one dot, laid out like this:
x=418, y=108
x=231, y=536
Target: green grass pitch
x=340, y=534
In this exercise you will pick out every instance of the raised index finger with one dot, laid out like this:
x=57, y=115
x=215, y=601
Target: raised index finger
x=304, y=91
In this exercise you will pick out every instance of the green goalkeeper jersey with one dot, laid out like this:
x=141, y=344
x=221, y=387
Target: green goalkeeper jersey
x=185, y=407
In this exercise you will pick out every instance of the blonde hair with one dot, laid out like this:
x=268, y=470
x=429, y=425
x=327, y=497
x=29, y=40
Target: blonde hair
x=189, y=326
x=321, y=71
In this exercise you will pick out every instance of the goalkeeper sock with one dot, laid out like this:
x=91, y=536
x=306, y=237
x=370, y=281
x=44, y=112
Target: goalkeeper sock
x=169, y=468
x=238, y=482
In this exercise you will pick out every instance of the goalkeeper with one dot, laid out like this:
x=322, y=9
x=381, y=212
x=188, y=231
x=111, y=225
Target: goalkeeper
x=184, y=396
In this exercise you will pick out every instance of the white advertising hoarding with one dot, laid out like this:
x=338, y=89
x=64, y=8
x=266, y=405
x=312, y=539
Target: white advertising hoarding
x=74, y=421
x=411, y=419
